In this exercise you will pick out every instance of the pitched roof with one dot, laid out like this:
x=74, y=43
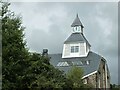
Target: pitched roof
x=77, y=22
x=91, y=67
x=76, y=37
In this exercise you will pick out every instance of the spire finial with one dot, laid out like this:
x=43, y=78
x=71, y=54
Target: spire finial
x=77, y=15
x=77, y=22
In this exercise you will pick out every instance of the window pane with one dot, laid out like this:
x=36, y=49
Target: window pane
x=62, y=64
x=72, y=49
x=59, y=64
x=76, y=48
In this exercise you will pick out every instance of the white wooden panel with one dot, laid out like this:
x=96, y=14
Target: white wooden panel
x=67, y=50
x=82, y=49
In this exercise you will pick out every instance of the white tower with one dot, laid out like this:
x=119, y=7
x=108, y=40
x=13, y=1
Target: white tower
x=76, y=44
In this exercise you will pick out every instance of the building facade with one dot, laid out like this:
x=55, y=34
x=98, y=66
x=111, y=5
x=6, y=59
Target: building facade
x=77, y=52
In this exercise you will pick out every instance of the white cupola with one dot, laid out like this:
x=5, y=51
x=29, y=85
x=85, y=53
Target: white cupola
x=77, y=25
x=76, y=45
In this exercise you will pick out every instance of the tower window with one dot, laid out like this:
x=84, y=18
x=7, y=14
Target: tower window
x=74, y=49
x=76, y=29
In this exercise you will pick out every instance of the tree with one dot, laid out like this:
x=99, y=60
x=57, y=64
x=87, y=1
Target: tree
x=45, y=75
x=75, y=75
x=115, y=87
x=14, y=53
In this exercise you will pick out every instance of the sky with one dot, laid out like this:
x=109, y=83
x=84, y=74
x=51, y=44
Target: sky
x=48, y=25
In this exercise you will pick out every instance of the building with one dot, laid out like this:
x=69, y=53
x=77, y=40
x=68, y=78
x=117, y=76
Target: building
x=76, y=51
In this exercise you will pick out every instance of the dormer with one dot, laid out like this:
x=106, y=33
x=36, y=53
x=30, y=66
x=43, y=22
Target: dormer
x=76, y=45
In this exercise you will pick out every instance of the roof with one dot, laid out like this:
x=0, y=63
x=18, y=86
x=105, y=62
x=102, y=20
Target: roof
x=76, y=37
x=91, y=67
x=77, y=22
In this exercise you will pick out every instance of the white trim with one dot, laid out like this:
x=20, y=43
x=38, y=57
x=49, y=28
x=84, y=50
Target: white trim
x=63, y=51
x=106, y=76
x=74, y=56
x=89, y=74
x=88, y=62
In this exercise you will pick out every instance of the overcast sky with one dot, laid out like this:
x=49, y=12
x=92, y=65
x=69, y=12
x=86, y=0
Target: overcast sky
x=49, y=24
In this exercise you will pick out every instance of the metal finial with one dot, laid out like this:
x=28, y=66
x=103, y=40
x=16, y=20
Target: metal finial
x=77, y=15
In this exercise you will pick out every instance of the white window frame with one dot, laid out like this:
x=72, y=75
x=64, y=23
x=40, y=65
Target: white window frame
x=74, y=49
x=76, y=29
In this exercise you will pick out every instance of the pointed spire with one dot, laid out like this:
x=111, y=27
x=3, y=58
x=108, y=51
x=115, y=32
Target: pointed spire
x=77, y=15
x=77, y=22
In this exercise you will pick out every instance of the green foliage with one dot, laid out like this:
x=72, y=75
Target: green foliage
x=75, y=75
x=87, y=86
x=114, y=87
x=14, y=54
x=45, y=75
